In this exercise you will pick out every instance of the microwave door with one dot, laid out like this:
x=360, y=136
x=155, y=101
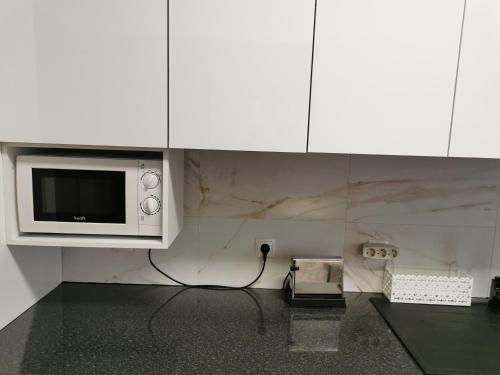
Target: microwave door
x=65, y=195
x=77, y=195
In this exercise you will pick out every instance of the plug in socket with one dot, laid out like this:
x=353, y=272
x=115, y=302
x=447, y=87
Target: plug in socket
x=261, y=241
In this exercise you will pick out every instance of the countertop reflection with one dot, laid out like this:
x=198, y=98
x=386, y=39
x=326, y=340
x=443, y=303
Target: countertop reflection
x=143, y=329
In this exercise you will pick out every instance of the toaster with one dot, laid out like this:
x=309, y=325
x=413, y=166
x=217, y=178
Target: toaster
x=316, y=282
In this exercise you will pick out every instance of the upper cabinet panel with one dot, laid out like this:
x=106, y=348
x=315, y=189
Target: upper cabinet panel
x=97, y=72
x=476, y=121
x=18, y=93
x=240, y=74
x=384, y=75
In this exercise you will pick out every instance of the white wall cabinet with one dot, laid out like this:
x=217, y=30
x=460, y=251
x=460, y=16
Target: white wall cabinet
x=18, y=88
x=240, y=74
x=476, y=121
x=88, y=72
x=383, y=76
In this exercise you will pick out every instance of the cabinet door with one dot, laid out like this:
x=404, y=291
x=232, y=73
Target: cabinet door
x=384, y=75
x=18, y=98
x=100, y=71
x=240, y=74
x=476, y=124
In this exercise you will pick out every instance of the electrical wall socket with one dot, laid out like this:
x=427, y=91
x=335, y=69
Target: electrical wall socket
x=261, y=241
x=380, y=250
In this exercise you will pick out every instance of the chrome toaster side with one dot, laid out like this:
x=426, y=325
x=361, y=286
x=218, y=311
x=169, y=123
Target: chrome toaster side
x=316, y=281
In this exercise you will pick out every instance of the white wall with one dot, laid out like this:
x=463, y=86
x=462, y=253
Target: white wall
x=437, y=210
x=26, y=273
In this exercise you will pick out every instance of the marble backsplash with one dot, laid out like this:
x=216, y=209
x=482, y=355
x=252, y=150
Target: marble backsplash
x=437, y=210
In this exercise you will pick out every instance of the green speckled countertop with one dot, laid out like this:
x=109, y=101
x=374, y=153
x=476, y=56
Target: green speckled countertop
x=142, y=329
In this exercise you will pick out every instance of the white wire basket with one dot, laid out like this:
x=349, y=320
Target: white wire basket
x=433, y=286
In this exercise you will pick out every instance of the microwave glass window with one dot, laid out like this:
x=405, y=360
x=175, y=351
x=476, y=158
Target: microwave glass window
x=69, y=195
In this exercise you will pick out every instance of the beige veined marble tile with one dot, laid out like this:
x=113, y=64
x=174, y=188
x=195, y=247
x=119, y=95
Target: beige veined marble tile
x=227, y=248
x=428, y=191
x=433, y=246
x=495, y=264
x=255, y=185
x=131, y=266
x=192, y=183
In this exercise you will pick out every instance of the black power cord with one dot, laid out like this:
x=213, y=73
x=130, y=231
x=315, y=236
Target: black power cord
x=264, y=249
x=286, y=280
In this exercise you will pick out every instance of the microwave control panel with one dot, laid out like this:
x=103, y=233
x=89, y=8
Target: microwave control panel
x=149, y=196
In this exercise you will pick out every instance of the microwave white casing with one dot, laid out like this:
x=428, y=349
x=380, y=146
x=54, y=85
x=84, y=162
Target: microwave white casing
x=137, y=222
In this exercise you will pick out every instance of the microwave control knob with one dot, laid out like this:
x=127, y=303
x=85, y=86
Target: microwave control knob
x=150, y=180
x=150, y=205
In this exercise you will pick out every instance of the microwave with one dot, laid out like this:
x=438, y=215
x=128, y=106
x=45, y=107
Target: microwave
x=89, y=195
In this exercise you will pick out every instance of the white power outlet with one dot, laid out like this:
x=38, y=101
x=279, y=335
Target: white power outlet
x=263, y=241
x=380, y=250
